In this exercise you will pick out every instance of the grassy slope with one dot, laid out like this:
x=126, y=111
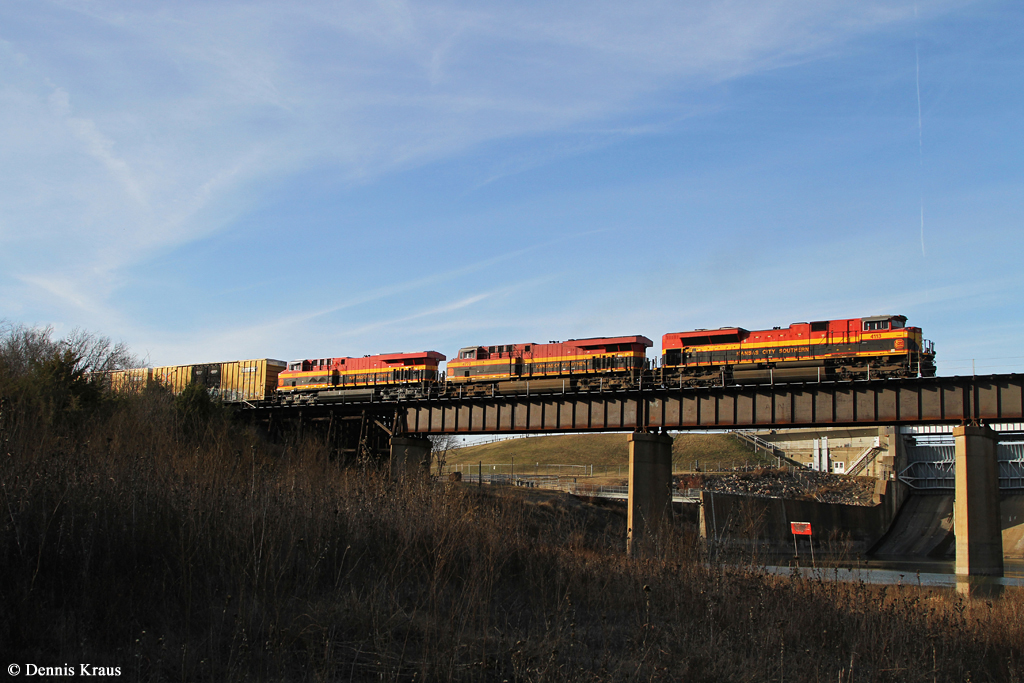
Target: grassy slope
x=604, y=451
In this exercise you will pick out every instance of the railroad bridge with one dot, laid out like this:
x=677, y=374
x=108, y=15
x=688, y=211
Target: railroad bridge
x=917, y=401
x=398, y=429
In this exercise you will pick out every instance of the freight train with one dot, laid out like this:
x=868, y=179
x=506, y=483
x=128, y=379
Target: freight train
x=875, y=347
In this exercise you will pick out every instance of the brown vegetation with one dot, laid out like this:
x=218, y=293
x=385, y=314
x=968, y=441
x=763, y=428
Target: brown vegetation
x=154, y=534
x=607, y=453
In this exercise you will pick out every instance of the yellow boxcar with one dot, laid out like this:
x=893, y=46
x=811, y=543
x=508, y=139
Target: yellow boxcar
x=130, y=381
x=249, y=380
x=173, y=377
x=233, y=381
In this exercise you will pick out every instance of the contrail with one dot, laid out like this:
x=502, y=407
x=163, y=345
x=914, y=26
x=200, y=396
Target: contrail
x=920, y=128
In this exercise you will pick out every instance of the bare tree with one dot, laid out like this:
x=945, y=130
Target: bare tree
x=440, y=444
x=99, y=354
x=21, y=346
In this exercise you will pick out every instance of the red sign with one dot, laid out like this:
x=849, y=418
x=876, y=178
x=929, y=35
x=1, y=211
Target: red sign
x=800, y=528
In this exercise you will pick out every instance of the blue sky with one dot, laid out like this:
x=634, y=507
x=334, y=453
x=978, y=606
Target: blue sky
x=216, y=180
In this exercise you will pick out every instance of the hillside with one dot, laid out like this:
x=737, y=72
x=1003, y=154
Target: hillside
x=607, y=453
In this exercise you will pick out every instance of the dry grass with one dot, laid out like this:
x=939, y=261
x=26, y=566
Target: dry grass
x=158, y=537
x=599, y=450
x=608, y=453
x=221, y=557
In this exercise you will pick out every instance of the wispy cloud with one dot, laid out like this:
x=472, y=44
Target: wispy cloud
x=135, y=128
x=97, y=145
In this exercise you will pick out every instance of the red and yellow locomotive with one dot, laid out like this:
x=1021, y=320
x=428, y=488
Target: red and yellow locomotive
x=390, y=375
x=856, y=348
x=601, y=362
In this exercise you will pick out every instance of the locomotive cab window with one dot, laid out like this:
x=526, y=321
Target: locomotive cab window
x=876, y=325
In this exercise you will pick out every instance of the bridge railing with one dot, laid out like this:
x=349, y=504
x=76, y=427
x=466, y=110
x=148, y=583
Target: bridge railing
x=767, y=446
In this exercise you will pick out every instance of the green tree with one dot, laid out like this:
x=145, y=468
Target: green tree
x=197, y=409
x=63, y=385
x=47, y=382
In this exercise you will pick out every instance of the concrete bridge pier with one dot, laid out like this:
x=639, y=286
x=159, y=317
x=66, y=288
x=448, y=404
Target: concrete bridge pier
x=650, y=484
x=979, y=539
x=410, y=458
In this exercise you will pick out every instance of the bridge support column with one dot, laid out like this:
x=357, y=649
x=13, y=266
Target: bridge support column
x=650, y=484
x=979, y=539
x=410, y=457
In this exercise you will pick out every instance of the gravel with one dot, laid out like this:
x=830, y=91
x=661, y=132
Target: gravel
x=798, y=485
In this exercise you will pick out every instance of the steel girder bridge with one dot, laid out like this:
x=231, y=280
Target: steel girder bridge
x=365, y=426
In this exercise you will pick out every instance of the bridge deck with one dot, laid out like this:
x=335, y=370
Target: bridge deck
x=932, y=400
x=994, y=398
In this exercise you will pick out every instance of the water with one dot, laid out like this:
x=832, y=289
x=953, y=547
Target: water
x=900, y=572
